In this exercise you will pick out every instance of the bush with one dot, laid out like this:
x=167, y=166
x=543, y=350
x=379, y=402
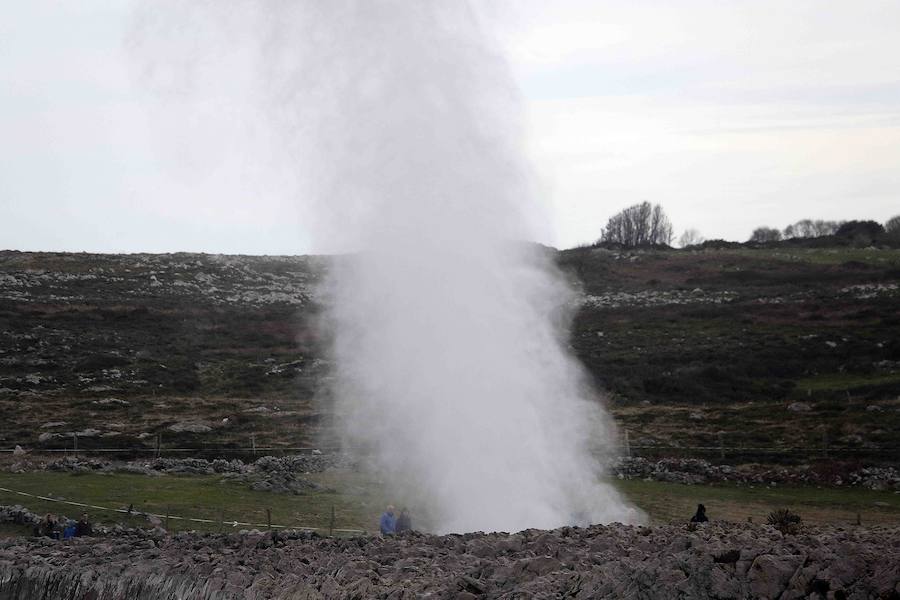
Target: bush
x=765, y=234
x=861, y=232
x=785, y=521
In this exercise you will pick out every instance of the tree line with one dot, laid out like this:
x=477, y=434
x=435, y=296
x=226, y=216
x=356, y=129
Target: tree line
x=808, y=228
x=647, y=224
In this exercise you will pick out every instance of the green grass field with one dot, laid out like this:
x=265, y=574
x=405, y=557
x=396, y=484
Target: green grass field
x=206, y=497
x=665, y=502
x=842, y=381
x=823, y=256
x=357, y=501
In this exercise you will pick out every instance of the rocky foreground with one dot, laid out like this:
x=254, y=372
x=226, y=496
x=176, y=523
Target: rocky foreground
x=678, y=561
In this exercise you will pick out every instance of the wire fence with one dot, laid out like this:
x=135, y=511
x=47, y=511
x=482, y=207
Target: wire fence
x=167, y=517
x=166, y=450
x=722, y=451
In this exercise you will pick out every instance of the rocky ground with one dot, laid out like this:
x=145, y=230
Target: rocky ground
x=715, y=560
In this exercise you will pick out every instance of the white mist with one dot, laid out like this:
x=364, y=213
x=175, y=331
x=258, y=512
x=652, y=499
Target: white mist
x=401, y=124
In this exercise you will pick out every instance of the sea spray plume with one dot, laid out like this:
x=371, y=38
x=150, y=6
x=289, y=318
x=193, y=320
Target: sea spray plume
x=402, y=125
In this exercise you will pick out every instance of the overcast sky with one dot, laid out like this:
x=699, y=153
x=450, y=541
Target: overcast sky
x=729, y=114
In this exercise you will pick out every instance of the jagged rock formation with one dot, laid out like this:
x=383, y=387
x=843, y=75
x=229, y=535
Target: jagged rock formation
x=616, y=561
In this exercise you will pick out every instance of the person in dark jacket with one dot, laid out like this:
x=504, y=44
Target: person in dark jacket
x=83, y=526
x=388, y=522
x=404, y=523
x=48, y=527
x=700, y=516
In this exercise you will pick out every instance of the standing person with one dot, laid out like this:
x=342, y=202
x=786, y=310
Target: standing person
x=388, y=523
x=700, y=517
x=404, y=523
x=83, y=526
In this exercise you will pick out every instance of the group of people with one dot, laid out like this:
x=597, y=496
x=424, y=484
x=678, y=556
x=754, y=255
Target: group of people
x=63, y=529
x=391, y=524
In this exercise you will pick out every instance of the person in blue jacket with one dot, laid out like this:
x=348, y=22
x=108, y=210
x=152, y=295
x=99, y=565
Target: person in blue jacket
x=388, y=523
x=69, y=530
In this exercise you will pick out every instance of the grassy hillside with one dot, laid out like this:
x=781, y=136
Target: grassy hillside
x=691, y=344
x=694, y=348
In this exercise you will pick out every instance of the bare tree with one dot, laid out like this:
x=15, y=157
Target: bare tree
x=822, y=228
x=804, y=229
x=807, y=228
x=892, y=226
x=765, y=234
x=690, y=237
x=639, y=225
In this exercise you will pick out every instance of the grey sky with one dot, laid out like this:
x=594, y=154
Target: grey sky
x=730, y=114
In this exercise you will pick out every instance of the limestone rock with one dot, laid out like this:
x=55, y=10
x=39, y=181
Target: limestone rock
x=190, y=427
x=614, y=561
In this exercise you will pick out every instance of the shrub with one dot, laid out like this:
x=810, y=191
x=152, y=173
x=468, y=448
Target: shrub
x=785, y=521
x=862, y=232
x=765, y=234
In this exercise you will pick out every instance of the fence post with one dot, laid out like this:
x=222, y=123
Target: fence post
x=825, y=443
x=168, y=510
x=721, y=445
x=331, y=523
x=253, y=443
x=627, y=445
x=75, y=444
x=158, y=444
x=221, y=519
x=269, y=518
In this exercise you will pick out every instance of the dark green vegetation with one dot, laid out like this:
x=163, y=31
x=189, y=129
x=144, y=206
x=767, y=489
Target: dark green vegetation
x=697, y=343
x=358, y=500
x=696, y=348
x=130, y=345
